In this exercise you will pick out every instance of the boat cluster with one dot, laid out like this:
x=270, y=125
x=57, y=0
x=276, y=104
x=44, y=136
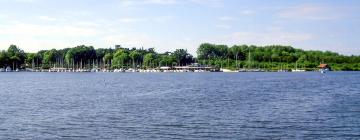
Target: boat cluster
x=8, y=69
x=154, y=70
x=157, y=70
x=131, y=70
x=195, y=67
x=165, y=69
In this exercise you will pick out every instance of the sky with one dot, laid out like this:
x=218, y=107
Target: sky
x=167, y=25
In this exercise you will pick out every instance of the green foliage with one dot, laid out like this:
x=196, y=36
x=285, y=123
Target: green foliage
x=120, y=59
x=182, y=57
x=238, y=56
x=149, y=59
x=208, y=51
x=135, y=57
x=80, y=54
x=4, y=59
x=50, y=56
x=167, y=59
x=16, y=56
x=108, y=57
x=276, y=56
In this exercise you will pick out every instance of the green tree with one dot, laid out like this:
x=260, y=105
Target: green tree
x=50, y=57
x=149, y=59
x=121, y=57
x=4, y=59
x=182, y=57
x=108, y=58
x=16, y=56
x=135, y=57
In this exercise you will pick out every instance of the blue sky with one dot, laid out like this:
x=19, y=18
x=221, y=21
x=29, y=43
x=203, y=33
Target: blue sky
x=169, y=24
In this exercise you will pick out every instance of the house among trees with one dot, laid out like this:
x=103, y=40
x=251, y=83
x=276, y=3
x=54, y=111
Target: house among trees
x=118, y=47
x=324, y=67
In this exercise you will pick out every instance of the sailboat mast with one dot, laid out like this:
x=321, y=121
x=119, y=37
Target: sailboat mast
x=249, y=59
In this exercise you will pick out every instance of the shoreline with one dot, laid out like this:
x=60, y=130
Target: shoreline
x=112, y=71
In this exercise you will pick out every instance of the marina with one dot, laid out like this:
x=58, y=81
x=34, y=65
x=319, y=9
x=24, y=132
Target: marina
x=179, y=70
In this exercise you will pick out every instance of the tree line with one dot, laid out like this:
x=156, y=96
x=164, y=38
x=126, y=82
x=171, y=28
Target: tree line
x=272, y=57
x=88, y=57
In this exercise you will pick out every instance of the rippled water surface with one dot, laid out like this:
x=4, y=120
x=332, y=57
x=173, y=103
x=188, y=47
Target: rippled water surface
x=180, y=105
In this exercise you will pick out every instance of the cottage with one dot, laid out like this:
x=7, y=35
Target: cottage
x=324, y=67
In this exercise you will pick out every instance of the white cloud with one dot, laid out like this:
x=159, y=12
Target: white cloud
x=310, y=12
x=32, y=45
x=76, y=14
x=163, y=18
x=225, y=18
x=143, y=19
x=162, y=2
x=26, y=1
x=45, y=30
x=223, y=26
x=210, y=3
x=87, y=24
x=130, y=40
x=148, y=41
x=132, y=3
x=32, y=37
x=3, y=16
x=130, y=20
x=247, y=12
x=47, y=18
x=263, y=38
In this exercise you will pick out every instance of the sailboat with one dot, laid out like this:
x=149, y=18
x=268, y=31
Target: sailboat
x=249, y=66
x=296, y=69
x=322, y=71
x=282, y=70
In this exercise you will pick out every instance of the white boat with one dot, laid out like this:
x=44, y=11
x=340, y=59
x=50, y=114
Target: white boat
x=227, y=70
x=242, y=70
x=131, y=70
x=121, y=70
x=8, y=69
x=323, y=70
x=297, y=70
x=282, y=70
x=105, y=70
x=93, y=70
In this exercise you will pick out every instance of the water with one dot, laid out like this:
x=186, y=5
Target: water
x=180, y=105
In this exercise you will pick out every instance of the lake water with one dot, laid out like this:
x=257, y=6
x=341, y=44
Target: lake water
x=180, y=105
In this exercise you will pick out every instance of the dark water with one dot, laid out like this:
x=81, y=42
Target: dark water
x=180, y=106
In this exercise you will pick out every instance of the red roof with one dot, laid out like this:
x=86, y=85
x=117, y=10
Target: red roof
x=323, y=65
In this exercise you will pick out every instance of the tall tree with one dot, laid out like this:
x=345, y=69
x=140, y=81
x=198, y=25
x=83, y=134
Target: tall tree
x=149, y=59
x=135, y=57
x=182, y=57
x=16, y=55
x=121, y=57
